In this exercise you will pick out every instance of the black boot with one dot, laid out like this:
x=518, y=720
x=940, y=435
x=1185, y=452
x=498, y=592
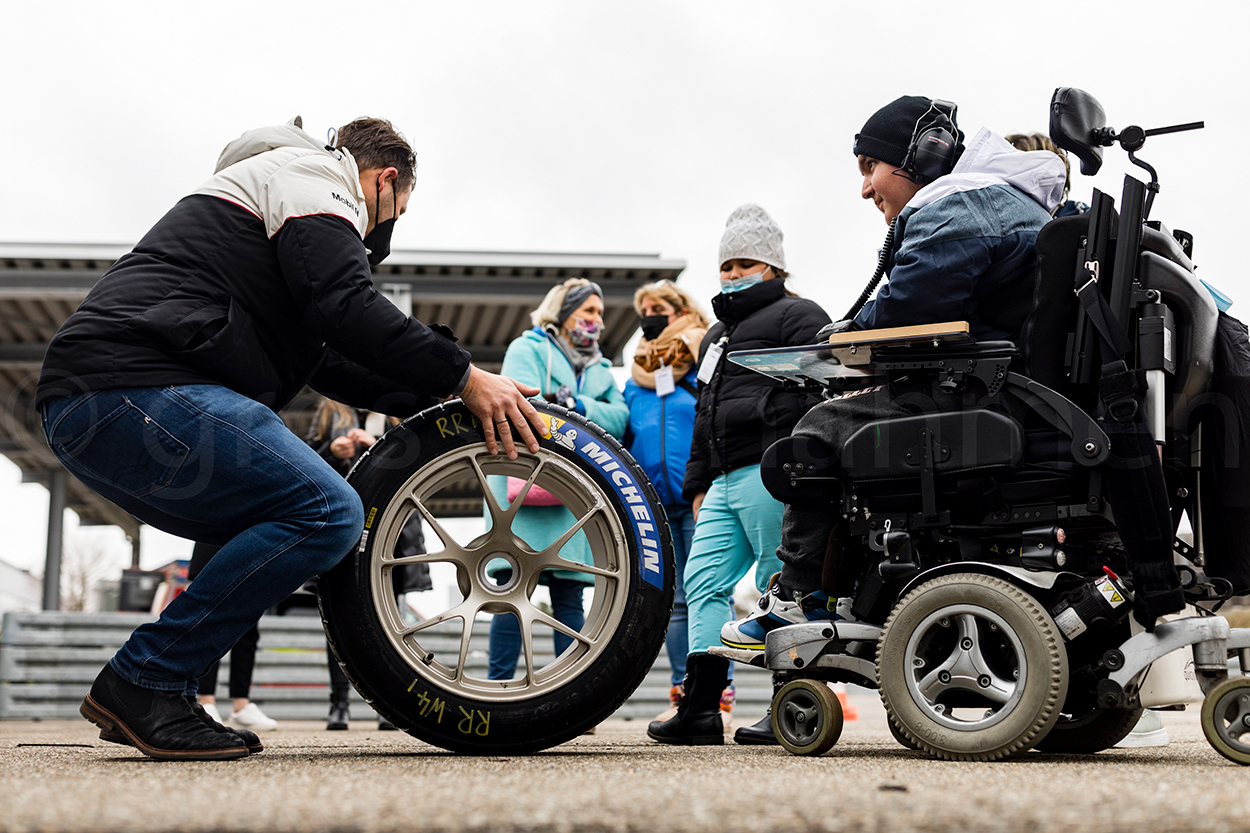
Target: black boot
x=698, y=721
x=761, y=734
x=160, y=724
x=339, y=713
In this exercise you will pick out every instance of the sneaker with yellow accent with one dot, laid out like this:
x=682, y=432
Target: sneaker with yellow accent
x=776, y=609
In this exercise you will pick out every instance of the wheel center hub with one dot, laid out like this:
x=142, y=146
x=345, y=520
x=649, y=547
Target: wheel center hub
x=503, y=582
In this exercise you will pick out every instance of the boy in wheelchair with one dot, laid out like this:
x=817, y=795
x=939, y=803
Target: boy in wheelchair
x=963, y=224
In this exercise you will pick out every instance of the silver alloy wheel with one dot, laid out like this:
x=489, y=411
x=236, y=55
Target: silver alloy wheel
x=947, y=664
x=594, y=517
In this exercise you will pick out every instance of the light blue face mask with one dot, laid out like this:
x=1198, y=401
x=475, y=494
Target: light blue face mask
x=730, y=285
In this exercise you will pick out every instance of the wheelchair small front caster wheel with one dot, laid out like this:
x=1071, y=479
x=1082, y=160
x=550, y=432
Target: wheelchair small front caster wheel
x=1226, y=719
x=807, y=717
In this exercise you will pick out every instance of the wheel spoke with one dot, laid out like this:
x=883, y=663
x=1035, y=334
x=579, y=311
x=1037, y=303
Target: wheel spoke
x=464, y=610
x=931, y=684
x=462, y=656
x=449, y=543
x=556, y=625
x=519, y=501
x=999, y=690
x=552, y=551
x=497, y=512
x=572, y=566
x=423, y=558
x=527, y=645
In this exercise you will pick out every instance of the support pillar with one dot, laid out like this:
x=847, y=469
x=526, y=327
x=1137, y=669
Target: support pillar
x=134, y=551
x=56, y=535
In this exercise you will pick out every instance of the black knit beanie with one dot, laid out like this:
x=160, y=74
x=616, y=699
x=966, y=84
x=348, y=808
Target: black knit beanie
x=887, y=133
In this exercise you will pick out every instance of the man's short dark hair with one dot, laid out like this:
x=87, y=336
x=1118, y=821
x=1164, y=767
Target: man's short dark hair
x=374, y=143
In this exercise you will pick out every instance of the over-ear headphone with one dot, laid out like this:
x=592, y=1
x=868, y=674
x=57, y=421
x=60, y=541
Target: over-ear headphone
x=934, y=146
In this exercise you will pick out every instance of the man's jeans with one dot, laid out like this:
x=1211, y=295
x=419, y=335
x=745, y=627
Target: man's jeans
x=208, y=464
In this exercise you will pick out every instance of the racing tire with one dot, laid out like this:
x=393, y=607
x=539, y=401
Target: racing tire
x=971, y=668
x=423, y=677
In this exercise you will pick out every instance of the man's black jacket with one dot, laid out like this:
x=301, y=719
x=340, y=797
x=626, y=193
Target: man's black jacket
x=207, y=297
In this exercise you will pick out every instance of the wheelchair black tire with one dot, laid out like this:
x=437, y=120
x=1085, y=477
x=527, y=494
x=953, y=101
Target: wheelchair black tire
x=1089, y=733
x=1012, y=622
x=820, y=717
x=443, y=706
x=901, y=737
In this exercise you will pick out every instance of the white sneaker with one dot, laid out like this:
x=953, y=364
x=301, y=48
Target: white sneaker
x=251, y=717
x=1149, y=731
x=772, y=612
x=211, y=710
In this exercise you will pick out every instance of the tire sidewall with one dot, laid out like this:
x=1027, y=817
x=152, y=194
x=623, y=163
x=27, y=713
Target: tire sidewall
x=413, y=698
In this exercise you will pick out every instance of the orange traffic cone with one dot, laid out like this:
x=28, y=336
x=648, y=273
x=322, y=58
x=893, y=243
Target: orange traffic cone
x=849, y=712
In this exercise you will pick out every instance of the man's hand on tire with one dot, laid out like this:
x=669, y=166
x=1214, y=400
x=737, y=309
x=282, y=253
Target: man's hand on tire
x=500, y=404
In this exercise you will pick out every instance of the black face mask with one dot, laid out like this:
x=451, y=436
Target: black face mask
x=653, y=325
x=378, y=241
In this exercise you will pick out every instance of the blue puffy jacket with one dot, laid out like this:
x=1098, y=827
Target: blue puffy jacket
x=661, y=428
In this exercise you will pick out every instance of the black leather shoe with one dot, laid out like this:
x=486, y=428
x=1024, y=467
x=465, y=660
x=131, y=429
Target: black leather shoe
x=385, y=725
x=761, y=734
x=339, y=716
x=160, y=724
x=250, y=739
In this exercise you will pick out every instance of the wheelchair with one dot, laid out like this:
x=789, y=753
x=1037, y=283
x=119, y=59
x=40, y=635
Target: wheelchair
x=992, y=587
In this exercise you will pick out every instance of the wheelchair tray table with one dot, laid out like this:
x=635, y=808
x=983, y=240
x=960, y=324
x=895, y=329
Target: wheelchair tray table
x=848, y=356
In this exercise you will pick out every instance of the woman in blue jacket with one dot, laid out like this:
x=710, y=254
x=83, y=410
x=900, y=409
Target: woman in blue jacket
x=661, y=395
x=561, y=357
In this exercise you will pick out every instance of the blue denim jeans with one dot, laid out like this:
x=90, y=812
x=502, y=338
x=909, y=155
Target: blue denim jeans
x=208, y=464
x=676, y=642
x=505, y=631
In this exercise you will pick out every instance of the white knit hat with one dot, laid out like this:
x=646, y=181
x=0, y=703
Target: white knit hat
x=751, y=234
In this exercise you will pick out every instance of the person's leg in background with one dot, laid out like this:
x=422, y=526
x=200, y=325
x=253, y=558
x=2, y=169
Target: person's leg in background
x=505, y=647
x=340, y=691
x=243, y=712
x=720, y=554
x=566, y=606
x=676, y=641
x=760, y=515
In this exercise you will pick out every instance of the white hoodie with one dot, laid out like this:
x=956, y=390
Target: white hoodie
x=989, y=160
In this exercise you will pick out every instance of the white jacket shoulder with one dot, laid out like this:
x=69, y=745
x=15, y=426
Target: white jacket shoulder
x=287, y=182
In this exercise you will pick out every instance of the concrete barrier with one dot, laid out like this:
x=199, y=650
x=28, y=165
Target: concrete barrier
x=48, y=660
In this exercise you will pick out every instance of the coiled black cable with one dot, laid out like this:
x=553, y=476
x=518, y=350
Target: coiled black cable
x=886, y=249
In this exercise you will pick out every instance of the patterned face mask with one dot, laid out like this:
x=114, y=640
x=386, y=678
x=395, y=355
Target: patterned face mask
x=584, y=334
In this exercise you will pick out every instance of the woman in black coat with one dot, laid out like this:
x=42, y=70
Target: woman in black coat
x=739, y=414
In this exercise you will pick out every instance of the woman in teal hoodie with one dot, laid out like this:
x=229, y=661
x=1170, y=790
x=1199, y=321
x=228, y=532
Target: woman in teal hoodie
x=561, y=357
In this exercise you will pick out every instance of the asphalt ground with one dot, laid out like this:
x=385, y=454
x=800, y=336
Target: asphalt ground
x=58, y=776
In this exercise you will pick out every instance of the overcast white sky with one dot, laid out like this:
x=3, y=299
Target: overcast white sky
x=595, y=127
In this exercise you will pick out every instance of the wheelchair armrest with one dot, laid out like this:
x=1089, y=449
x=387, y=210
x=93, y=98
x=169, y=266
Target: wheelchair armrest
x=1090, y=445
x=857, y=347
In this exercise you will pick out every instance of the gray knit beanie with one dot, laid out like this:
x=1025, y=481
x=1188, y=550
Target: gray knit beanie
x=750, y=234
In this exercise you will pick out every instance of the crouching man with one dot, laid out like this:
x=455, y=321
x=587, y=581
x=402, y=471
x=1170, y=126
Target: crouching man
x=161, y=393
x=965, y=223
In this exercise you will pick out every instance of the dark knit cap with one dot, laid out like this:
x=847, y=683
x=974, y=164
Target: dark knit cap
x=575, y=297
x=887, y=133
